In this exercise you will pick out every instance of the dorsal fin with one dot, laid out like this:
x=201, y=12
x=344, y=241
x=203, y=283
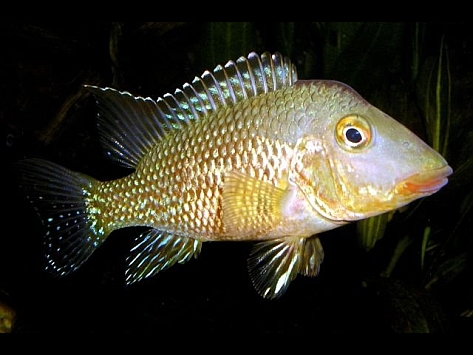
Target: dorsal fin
x=130, y=125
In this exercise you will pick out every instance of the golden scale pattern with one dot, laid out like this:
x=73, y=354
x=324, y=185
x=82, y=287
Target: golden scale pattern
x=177, y=185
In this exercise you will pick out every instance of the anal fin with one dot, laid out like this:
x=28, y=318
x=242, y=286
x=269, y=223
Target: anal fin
x=155, y=251
x=274, y=264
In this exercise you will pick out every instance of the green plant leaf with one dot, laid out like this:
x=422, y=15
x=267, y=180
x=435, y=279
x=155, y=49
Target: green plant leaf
x=370, y=230
x=435, y=88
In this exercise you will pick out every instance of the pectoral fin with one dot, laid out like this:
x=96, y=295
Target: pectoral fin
x=250, y=206
x=275, y=263
x=155, y=251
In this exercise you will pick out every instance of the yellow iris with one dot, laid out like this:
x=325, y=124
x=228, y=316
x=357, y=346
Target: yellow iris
x=353, y=133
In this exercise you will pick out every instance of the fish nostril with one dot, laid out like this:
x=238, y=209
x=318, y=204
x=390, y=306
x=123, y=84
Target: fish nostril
x=406, y=144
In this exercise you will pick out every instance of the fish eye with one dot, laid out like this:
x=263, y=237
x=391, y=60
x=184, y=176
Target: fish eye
x=353, y=133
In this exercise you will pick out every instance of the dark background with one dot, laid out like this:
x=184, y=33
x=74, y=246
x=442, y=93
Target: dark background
x=412, y=71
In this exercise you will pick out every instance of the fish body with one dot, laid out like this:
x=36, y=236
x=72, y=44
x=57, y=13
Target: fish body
x=246, y=152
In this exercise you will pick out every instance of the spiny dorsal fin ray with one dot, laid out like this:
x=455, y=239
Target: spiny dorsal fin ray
x=274, y=264
x=155, y=251
x=130, y=125
x=248, y=77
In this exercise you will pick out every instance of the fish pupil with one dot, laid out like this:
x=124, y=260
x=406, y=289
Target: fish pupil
x=353, y=135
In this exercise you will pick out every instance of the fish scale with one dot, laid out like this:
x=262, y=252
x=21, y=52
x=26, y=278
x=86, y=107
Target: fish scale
x=245, y=152
x=176, y=187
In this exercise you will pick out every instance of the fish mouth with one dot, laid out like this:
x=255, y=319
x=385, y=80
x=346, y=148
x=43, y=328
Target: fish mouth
x=426, y=182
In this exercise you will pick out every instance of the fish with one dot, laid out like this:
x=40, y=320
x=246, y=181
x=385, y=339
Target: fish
x=245, y=152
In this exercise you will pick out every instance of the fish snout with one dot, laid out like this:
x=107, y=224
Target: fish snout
x=426, y=182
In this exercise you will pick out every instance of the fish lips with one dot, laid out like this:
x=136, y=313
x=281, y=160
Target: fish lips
x=426, y=182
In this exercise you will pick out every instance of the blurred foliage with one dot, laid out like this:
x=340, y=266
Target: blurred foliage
x=7, y=318
x=415, y=263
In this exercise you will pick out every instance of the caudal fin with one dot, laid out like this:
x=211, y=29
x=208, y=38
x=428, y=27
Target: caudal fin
x=59, y=197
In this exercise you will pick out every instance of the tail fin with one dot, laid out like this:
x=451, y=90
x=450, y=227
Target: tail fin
x=59, y=196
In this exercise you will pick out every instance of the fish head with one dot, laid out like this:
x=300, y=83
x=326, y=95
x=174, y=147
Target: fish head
x=355, y=161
